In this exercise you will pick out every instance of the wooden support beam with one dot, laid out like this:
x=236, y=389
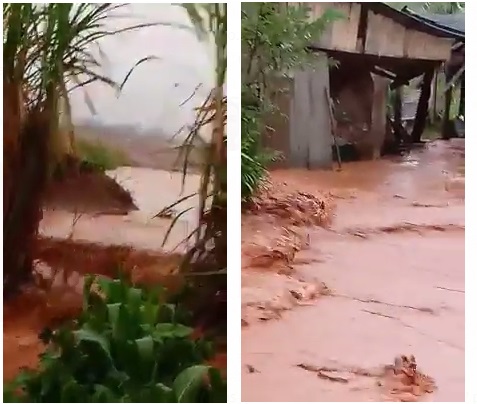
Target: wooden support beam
x=397, y=127
x=433, y=103
x=462, y=96
x=362, y=28
x=446, y=118
x=383, y=72
x=422, y=107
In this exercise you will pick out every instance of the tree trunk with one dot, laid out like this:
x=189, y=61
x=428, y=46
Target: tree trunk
x=25, y=173
x=422, y=107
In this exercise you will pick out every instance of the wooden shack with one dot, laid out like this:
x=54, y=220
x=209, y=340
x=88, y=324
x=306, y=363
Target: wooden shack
x=376, y=47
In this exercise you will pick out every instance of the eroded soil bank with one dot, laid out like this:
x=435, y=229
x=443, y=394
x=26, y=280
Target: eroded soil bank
x=89, y=229
x=385, y=278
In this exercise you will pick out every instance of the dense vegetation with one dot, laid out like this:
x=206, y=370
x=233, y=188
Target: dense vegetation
x=127, y=345
x=275, y=37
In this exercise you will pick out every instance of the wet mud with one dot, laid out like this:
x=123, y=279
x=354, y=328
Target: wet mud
x=100, y=233
x=385, y=278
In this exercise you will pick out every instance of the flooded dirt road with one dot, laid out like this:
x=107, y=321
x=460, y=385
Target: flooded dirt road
x=393, y=264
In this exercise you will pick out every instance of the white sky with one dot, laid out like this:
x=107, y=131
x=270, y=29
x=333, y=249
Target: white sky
x=154, y=91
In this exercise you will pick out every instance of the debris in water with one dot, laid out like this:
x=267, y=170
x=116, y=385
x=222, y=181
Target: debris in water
x=297, y=208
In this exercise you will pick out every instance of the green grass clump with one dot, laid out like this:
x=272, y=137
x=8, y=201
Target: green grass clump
x=99, y=156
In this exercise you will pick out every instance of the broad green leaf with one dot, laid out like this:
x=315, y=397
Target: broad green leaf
x=189, y=382
x=145, y=348
x=218, y=386
x=104, y=285
x=163, y=393
x=135, y=297
x=149, y=313
x=170, y=330
x=94, y=337
x=113, y=315
x=103, y=394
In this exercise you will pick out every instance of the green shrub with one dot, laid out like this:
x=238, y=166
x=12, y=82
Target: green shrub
x=99, y=156
x=126, y=346
x=275, y=40
x=254, y=157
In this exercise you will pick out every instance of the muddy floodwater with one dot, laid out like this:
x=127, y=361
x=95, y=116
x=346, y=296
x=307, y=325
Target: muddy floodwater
x=393, y=263
x=152, y=190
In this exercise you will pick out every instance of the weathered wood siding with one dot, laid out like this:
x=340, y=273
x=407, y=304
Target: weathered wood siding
x=310, y=127
x=341, y=34
x=384, y=36
x=277, y=138
x=302, y=128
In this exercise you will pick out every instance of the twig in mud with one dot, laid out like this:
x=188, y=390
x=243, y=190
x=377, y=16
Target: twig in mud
x=449, y=289
x=376, y=313
x=320, y=372
x=76, y=217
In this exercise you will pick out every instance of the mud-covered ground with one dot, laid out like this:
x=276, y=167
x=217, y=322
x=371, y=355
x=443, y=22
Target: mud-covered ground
x=90, y=225
x=385, y=278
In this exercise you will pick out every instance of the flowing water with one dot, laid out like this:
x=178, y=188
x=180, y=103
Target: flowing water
x=393, y=260
x=152, y=191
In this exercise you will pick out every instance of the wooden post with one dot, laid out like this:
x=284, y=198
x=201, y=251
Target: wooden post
x=445, y=119
x=433, y=103
x=398, y=114
x=462, y=96
x=422, y=107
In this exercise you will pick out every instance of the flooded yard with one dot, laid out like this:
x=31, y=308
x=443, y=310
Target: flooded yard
x=392, y=260
x=74, y=244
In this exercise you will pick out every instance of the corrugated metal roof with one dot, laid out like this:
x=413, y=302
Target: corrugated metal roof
x=419, y=22
x=454, y=24
x=453, y=21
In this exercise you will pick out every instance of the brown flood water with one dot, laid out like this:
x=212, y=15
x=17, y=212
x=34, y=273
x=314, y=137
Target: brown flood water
x=393, y=259
x=152, y=190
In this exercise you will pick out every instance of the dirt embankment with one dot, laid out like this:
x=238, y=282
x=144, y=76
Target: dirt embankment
x=96, y=223
x=88, y=192
x=274, y=229
x=392, y=260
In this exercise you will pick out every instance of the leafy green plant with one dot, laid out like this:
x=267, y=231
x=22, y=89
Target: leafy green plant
x=208, y=254
x=275, y=41
x=253, y=157
x=49, y=50
x=127, y=346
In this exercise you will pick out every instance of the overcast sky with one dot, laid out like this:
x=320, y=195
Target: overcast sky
x=152, y=96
